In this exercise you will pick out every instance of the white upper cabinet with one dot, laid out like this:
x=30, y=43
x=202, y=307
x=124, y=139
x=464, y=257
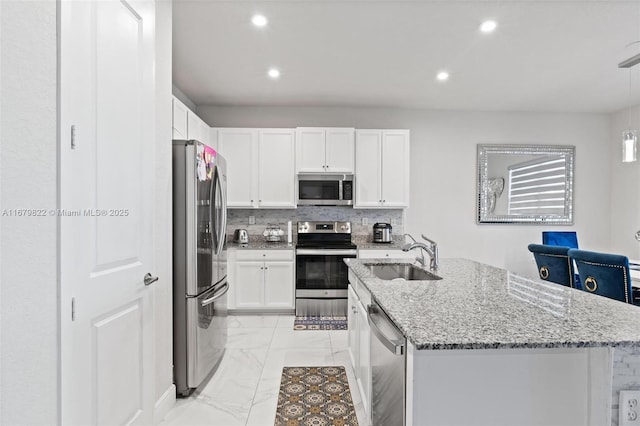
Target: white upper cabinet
x=197, y=129
x=368, y=168
x=239, y=147
x=382, y=169
x=187, y=125
x=325, y=150
x=180, y=112
x=260, y=167
x=276, y=174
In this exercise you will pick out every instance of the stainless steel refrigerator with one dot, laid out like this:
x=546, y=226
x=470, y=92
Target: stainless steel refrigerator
x=199, y=263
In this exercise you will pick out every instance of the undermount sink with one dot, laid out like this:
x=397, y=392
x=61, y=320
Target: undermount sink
x=405, y=271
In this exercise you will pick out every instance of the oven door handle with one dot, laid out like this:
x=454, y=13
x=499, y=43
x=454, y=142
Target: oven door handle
x=321, y=252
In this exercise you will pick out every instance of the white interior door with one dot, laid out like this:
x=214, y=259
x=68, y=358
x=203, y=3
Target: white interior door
x=106, y=184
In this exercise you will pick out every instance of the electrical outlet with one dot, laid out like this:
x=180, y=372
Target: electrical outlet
x=393, y=221
x=252, y=220
x=365, y=221
x=629, y=409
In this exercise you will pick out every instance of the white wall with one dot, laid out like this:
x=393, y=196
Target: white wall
x=28, y=152
x=164, y=391
x=625, y=188
x=443, y=169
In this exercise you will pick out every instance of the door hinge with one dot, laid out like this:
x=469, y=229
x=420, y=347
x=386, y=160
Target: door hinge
x=73, y=136
x=73, y=309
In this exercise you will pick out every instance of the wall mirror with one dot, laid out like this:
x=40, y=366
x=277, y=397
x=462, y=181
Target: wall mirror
x=525, y=184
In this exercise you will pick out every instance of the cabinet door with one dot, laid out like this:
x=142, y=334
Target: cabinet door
x=249, y=285
x=364, y=364
x=310, y=150
x=238, y=146
x=179, y=119
x=278, y=285
x=204, y=132
x=276, y=181
x=382, y=253
x=368, y=167
x=193, y=126
x=340, y=150
x=352, y=329
x=395, y=168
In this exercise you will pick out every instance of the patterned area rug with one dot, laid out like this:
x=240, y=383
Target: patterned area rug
x=316, y=396
x=320, y=323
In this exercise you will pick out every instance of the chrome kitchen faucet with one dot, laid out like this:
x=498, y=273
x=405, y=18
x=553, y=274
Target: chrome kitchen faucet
x=431, y=249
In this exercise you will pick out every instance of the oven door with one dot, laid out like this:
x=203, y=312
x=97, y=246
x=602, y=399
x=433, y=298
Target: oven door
x=322, y=269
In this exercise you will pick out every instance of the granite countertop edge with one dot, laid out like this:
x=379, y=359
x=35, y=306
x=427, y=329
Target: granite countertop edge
x=499, y=321
x=257, y=242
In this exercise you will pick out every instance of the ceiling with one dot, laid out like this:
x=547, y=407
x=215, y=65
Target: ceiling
x=546, y=55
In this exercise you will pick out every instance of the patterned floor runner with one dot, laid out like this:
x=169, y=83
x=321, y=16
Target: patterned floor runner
x=315, y=396
x=320, y=323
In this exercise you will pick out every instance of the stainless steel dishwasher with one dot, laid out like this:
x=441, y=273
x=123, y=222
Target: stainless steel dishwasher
x=388, y=369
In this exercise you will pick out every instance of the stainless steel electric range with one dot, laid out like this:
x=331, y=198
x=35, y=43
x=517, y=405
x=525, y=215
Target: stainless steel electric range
x=321, y=274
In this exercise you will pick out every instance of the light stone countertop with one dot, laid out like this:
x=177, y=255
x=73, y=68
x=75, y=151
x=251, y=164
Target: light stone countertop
x=478, y=306
x=257, y=242
x=365, y=242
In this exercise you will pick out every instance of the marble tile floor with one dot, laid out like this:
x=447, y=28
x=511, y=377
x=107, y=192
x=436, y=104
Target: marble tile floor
x=244, y=388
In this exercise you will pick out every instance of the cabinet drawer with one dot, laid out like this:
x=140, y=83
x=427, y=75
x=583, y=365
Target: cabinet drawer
x=264, y=255
x=384, y=253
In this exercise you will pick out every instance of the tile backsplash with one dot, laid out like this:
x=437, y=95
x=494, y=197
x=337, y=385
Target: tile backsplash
x=239, y=218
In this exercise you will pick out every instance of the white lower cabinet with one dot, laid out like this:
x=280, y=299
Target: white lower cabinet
x=364, y=375
x=359, y=339
x=262, y=280
x=352, y=328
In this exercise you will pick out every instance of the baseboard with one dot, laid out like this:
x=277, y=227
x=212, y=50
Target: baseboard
x=164, y=404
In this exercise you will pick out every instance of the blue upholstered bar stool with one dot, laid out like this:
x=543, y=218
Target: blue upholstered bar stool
x=565, y=239
x=604, y=274
x=553, y=263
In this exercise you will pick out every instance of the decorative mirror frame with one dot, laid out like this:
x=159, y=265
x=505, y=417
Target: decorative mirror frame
x=485, y=186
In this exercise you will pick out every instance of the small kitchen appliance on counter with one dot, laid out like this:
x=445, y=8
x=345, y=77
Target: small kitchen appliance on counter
x=241, y=236
x=273, y=233
x=382, y=233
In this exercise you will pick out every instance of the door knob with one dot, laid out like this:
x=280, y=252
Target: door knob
x=638, y=235
x=150, y=279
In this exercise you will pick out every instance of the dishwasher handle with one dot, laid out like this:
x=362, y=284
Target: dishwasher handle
x=396, y=346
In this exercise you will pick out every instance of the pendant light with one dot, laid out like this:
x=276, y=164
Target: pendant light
x=629, y=142
x=629, y=136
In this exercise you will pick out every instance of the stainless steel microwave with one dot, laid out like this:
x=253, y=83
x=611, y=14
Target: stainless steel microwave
x=325, y=189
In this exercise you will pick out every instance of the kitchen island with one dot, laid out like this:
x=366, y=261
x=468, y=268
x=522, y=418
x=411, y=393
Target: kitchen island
x=486, y=346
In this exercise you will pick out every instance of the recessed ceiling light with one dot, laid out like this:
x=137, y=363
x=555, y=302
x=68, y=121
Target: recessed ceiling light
x=259, y=20
x=273, y=73
x=442, y=76
x=488, y=26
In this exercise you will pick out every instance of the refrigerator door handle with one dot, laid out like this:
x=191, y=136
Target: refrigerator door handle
x=221, y=233
x=223, y=230
x=216, y=295
x=213, y=212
